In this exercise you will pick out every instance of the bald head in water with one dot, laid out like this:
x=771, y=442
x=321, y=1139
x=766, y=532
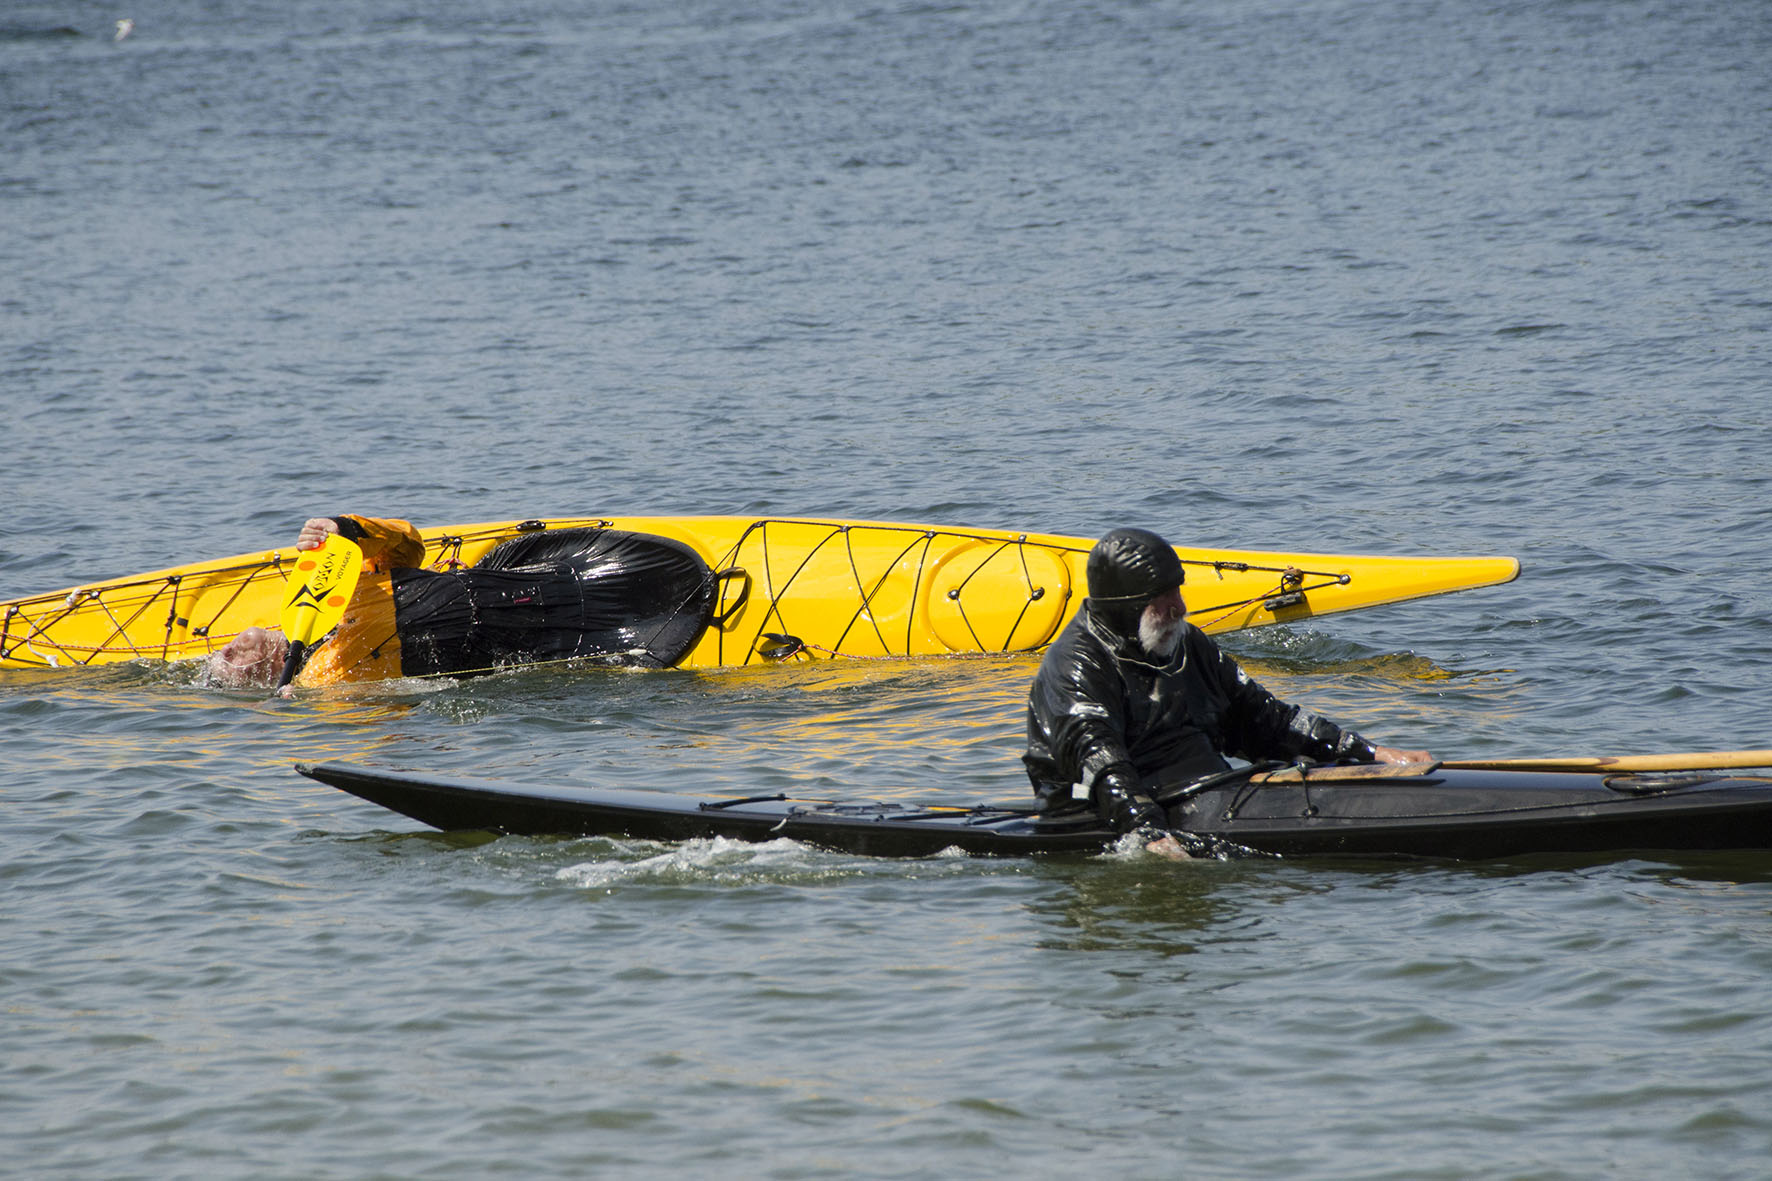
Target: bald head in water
x=253, y=659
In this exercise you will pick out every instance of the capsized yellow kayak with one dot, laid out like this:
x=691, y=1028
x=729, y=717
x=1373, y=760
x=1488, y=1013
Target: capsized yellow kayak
x=800, y=589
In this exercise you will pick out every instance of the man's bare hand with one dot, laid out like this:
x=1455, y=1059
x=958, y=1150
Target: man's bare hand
x=1389, y=754
x=1168, y=846
x=314, y=532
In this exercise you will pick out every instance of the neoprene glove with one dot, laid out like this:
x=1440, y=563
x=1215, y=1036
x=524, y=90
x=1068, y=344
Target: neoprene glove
x=1340, y=746
x=1120, y=798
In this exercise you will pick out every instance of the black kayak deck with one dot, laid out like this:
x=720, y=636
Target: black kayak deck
x=1441, y=813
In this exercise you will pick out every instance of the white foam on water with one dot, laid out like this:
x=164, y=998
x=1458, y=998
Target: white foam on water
x=717, y=860
x=727, y=862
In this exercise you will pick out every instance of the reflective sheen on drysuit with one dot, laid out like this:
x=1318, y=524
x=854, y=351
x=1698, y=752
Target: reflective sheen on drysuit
x=1101, y=708
x=603, y=596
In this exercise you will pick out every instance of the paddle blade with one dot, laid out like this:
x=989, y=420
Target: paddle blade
x=318, y=589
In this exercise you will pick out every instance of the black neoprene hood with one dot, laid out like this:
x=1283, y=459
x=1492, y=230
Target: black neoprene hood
x=1132, y=565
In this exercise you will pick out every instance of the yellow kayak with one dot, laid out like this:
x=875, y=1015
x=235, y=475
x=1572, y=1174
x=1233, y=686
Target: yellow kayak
x=783, y=589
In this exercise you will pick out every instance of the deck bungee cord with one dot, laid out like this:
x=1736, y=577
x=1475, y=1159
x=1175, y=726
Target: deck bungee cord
x=449, y=545
x=1289, y=592
x=784, y=645
x=776, y=597
x=109, y=603
x=778, y=646
x=1034, y=595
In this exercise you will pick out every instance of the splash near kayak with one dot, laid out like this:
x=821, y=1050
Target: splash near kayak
x=735, y=591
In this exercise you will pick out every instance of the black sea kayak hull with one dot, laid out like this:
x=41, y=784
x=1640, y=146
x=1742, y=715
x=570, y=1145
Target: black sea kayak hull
x=1448, y=813
x=457, y=803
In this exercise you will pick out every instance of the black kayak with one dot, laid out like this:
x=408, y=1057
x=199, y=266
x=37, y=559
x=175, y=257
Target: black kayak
x=1425, y=811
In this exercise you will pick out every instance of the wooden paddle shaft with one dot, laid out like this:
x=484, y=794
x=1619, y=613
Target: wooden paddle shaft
x=1699, y=761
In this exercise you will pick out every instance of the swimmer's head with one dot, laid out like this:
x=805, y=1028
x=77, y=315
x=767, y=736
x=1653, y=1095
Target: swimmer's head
x=253, y=659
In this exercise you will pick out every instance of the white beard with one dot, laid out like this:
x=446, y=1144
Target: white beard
x=1158, y=634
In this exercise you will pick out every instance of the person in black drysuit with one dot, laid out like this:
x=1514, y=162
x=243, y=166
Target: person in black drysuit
x=1131, y=699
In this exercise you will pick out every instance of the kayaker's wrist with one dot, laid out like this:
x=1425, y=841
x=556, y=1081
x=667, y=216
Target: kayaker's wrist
x=1355, y=748
x=348, y=527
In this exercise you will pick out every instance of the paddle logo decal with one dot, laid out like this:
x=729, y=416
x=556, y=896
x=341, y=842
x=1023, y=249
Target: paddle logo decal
x=320, y=587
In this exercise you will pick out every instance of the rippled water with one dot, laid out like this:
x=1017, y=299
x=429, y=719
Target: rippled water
x=1397, y=277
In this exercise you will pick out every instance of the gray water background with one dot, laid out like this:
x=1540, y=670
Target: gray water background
x=1398, y=277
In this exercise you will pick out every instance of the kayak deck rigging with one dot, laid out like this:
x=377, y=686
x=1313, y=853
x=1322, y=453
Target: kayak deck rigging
x=119, y=642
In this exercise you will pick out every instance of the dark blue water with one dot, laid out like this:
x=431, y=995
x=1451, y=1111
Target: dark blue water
x=1389, y=277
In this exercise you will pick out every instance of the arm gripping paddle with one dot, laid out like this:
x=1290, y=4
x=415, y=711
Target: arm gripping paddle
x=315, y=596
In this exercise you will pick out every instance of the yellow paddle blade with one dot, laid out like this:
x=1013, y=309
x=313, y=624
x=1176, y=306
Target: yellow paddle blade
x=314, y=598
x=1699, y=761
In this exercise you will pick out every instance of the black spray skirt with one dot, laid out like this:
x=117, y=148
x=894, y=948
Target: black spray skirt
x=619, y=598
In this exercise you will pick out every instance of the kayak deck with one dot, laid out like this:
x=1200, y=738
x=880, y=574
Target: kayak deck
x=785, y=589
x=1439, y=814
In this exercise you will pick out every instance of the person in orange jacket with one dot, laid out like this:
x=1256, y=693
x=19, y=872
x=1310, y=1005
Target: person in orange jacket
x=598, y=595
x=366, y=644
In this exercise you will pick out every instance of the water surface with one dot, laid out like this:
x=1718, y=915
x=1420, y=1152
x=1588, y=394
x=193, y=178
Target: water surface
x=1393, y=277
